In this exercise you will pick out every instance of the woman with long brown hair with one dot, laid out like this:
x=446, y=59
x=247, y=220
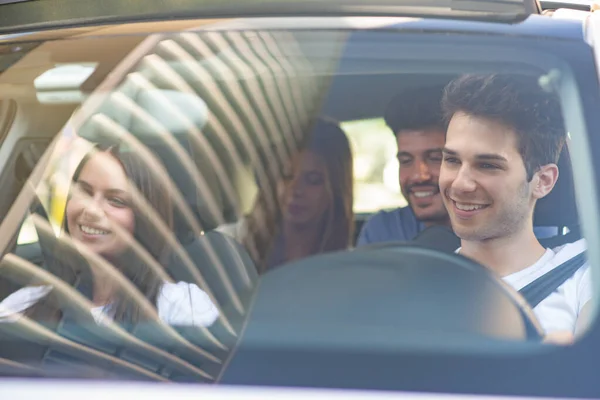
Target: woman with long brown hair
x=112, y=193
x=313, y=204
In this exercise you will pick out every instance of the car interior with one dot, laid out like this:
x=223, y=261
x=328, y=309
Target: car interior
x=178, y=98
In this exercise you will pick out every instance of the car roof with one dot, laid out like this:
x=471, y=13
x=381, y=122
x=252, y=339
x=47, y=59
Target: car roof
x=532, y=26
x=19, y=13
x=24, y=15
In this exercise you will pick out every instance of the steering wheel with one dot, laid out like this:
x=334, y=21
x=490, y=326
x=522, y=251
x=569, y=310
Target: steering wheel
x=384, y=300
x=400, y=289
x=443, y=239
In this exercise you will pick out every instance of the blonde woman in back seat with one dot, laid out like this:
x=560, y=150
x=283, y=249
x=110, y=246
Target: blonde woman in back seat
x=314, y=201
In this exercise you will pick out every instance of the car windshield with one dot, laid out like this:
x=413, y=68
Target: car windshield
x=178, y=205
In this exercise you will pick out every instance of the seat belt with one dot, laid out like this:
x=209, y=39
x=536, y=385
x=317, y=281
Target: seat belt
x=545, y=285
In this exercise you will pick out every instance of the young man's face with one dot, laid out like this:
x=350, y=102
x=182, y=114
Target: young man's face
x=420, y=157
x=483, y=180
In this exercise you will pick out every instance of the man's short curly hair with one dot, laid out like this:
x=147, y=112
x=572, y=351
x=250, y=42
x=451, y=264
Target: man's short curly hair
x=518, y=102
x=415, y=109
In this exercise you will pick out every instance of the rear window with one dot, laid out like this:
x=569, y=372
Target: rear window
x=376, y=180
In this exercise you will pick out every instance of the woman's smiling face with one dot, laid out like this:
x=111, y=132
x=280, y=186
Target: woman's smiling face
x=100, y=201
x=305, y=197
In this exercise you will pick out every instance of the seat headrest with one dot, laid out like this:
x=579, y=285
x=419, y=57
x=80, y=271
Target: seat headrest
x=438, y=237
x=185, y=110
x=559, y=208
x=193, y=195
x=174, y=113
x=182, y=107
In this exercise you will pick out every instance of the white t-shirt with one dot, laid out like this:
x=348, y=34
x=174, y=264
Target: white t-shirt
x=560, y=310
x=179, y=303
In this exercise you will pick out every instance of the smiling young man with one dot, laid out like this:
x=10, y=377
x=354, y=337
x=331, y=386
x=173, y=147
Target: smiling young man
x=415, y=117
x=503, y=141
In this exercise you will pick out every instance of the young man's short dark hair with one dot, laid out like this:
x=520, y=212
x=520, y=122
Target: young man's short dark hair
x=415, y=109
x=518, y=102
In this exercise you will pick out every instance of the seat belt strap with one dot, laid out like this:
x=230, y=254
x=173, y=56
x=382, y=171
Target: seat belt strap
x=545, y=285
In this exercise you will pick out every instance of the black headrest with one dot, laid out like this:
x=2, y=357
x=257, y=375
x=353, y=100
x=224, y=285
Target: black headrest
x=194, y=196
x=559, y=208
x=438, y=237
x=186, y=109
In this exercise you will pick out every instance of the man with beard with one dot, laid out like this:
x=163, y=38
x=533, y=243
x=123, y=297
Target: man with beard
x=504, y=138
x=415, y=117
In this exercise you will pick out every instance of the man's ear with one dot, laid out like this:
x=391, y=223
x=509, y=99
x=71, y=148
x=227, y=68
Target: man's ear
x=544, y=180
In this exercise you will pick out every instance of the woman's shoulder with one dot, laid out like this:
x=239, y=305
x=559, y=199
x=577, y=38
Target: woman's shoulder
x=19, y=301
x=185, y=304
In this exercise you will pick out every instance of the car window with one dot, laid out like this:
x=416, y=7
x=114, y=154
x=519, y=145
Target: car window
x=198, y=196
x=375, y=166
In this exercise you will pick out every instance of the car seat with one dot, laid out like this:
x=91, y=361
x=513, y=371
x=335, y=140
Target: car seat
x=559, y=207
